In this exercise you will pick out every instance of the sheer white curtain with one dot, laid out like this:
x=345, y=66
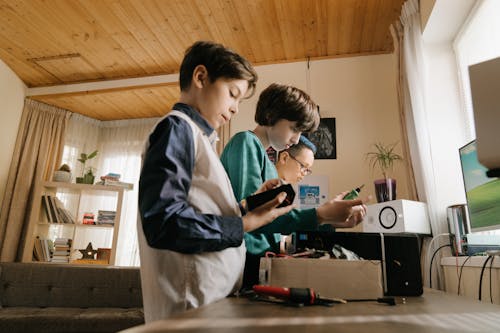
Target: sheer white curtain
x=82, y=136
x=418, y=134
x=120, y=145
x=417, y=122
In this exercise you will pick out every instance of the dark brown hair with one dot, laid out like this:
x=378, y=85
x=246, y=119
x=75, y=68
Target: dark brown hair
x=220, y=62
x=279, y=101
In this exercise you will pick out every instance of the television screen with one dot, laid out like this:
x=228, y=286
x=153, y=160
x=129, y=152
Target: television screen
x=483, y=193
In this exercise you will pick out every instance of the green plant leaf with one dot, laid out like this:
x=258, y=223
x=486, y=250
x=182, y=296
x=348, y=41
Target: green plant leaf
x=383, y=157
x=92, y=155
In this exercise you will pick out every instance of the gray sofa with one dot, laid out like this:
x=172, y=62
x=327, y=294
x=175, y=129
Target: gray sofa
x=53, y=298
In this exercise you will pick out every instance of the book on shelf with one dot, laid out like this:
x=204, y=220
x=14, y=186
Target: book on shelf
x=111, y=182
x=111, y=176
x=47, y=207
x=106, y=217
x=42, y=249
x=37, y=250
x=55, y=210
x=64, y=215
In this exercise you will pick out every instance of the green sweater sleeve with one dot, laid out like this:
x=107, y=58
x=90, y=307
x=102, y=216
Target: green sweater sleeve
x=246, y=164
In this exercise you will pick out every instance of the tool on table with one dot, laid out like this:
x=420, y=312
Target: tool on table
x=293, y=296
x=386, y=300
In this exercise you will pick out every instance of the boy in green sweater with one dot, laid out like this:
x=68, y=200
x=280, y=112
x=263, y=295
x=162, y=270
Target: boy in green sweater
x=283, y=113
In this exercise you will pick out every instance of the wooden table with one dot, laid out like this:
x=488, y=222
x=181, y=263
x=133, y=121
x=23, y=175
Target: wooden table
x=435, y=311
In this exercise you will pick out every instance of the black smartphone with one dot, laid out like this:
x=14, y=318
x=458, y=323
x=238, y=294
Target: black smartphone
x=256, y=200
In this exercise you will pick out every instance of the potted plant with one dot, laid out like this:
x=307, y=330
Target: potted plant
x=63, y=174
x=87, y=174
x=88, y=177
x=384, y=157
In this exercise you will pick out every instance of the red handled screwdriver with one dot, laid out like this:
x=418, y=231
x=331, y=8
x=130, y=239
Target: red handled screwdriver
x=295, y=295
x=305, y=296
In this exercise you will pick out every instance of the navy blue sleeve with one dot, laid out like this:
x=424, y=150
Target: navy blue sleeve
x=168, y=221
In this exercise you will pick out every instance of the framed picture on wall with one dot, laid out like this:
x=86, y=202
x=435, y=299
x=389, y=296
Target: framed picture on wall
x=325, y=139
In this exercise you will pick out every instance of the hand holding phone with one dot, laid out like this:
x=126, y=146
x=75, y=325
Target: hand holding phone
x=258, y=199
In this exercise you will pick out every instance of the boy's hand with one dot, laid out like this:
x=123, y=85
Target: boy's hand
x=265, y=213
x=269, y=185
x=342, y=213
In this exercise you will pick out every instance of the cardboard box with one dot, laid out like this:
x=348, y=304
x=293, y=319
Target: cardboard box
x=330, y=278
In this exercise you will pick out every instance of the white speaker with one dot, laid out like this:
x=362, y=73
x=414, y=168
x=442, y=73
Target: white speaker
x=397, y=216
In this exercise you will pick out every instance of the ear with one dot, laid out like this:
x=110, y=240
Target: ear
x=200, y=76
x=283, y=157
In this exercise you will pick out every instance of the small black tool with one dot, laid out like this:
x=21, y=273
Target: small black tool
x=386, y=300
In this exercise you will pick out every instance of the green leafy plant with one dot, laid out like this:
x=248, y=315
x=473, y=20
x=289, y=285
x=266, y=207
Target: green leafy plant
x=383, y=157
x=84, y=158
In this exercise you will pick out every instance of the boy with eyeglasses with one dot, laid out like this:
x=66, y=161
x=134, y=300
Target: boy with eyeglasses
x=294, y=163
x=283, y=113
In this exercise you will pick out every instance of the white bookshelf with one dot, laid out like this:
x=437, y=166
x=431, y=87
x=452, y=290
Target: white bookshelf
x=76, y=199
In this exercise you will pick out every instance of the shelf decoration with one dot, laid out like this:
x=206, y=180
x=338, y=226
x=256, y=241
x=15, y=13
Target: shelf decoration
x=87, y=173
x=63, y=174
x=89, y=252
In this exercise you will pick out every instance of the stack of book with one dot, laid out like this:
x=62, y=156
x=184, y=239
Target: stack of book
x=88, y=218
x=113, y=179
x=106, y=217
x=62, y=250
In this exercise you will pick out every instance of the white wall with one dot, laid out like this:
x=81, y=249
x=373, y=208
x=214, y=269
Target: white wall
x=446, y=127
x=360, y=92
x=12, y=92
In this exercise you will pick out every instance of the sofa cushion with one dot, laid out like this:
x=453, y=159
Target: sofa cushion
x=64, y=285
x=68, y=320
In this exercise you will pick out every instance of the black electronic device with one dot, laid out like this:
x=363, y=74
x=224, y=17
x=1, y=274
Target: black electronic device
x=259, y=199
x=399, y=253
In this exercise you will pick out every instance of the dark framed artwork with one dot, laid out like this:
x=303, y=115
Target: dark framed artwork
x=325, y=139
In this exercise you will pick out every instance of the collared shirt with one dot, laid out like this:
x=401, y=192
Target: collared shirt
x=169, y=220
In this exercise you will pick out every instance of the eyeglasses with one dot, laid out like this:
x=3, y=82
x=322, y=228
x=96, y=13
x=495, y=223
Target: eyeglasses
x=305, y=170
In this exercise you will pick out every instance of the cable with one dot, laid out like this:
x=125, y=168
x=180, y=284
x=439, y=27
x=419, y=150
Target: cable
x=481, y=276
x=460, y=275
x=429, y=247
x=491, y=264
x=430, y=266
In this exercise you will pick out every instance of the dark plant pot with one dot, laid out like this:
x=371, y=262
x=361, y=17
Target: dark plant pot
x=79, y=180
x=385, y=189
x=88, y=179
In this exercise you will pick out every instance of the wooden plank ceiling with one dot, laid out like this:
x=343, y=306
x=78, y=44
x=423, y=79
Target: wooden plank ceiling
x=61, y=42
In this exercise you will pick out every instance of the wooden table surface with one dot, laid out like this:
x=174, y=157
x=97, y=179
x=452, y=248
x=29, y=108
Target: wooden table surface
x=435, y=311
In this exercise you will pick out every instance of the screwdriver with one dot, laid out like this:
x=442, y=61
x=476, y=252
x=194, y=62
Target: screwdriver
x=354, y=193
x=305, y=296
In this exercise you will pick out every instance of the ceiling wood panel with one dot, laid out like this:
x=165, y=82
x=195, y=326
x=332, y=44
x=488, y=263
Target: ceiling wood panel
x=57, y=42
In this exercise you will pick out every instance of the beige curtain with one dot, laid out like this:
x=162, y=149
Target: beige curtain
x=37, y=153
x=403, y=98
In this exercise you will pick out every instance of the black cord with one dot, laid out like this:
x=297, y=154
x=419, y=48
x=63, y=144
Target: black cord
x=430, y=266
x=491, y=264
x=460, y=274
x=481, y=276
